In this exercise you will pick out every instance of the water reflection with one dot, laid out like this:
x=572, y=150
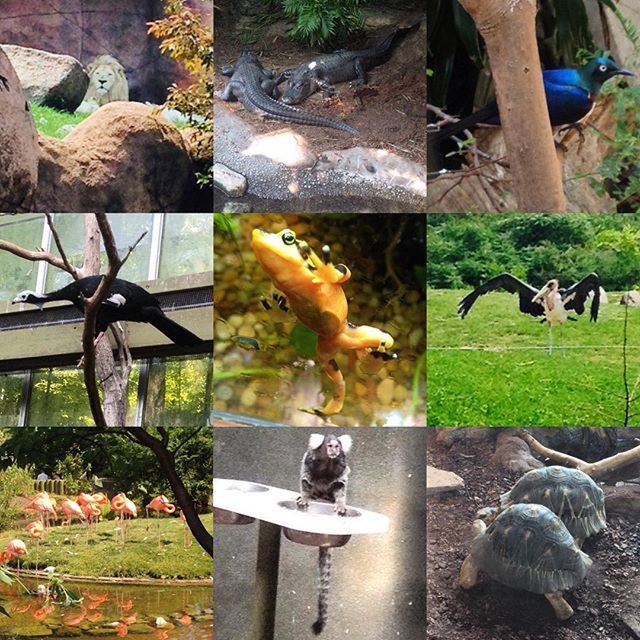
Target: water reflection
x=164, y=612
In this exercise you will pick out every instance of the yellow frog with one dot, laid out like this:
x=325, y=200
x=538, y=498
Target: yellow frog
x=311, y=288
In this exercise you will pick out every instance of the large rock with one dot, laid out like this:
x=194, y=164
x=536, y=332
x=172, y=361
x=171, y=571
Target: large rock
x=51, y=79
x=85, y=29
x=125, y=157
x=18, y=143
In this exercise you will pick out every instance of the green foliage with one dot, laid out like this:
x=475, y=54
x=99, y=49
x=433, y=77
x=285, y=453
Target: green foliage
x=304, y=341
x=14, y=481
x=464, y=251
x=48, y=121
x=187, y=40
x=318, y=22
x=75, y=472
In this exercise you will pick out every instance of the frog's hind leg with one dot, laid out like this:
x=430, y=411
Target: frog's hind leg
x=331, y=368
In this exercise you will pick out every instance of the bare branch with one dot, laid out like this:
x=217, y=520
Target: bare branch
x=54, y=232
x=34, y=256
x=593, y=469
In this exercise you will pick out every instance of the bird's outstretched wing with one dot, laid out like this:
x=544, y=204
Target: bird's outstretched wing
x=577, y=294
x=509, y=283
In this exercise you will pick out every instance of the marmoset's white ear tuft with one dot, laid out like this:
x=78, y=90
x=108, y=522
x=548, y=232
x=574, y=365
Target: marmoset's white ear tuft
x=315, y=440
x=346, y=443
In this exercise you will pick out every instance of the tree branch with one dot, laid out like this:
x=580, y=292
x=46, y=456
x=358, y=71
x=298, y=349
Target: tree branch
x=34, y=256
x=593, y=469
x=56, y=238
x=91, y=308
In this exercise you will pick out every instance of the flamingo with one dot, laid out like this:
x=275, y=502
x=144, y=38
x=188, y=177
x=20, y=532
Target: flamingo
x=36, y=530
x=71, y=509
x=158, y=504
x=14, y=549
x=44, y=505
x=123, y=507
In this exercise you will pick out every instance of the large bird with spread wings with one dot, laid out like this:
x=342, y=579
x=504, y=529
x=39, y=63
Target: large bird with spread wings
x=551, y=301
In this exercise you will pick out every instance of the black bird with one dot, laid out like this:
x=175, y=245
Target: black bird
x=570, y=95
x=124, y=301
x=551, y=301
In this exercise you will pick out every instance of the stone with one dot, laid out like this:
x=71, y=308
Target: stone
x=86, y=30
x=377, y=165
x=631, y=298
x=123, y=158
x=440, y=482
x=234, y=184
x=513, y=454
x=236, y=207
x=18, y=143
x=51, y=79
x=286, y=147
x=623, y=500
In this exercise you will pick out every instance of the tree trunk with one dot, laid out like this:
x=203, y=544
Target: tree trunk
x=508, y=28
x=184, y=499
x=114, y=386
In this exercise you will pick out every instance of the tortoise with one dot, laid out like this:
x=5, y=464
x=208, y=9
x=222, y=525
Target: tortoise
x=528, y=547
x=569, y=493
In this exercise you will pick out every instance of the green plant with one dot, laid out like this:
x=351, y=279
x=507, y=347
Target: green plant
x=75, y=473
x=187, y=40
x=14, y=481
x=318, y=22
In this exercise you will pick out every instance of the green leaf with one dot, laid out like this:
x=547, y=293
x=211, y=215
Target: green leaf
x=304, y=341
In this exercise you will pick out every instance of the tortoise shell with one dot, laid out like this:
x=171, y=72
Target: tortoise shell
x=570, y=494
x=528, y=547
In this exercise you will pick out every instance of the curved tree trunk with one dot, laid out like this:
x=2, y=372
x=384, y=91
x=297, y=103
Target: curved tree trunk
x=508, y=28
x=167, y=464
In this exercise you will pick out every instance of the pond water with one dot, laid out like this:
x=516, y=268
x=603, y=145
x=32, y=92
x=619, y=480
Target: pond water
x=266, y=366
x=111, y=610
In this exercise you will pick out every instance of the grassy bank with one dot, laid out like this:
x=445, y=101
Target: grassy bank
x=492, y=368
x=48, y=121
x=66, y=549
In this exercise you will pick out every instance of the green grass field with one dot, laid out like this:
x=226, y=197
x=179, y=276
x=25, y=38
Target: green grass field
x=66, y=549
x=493, y=369
x=48, y=121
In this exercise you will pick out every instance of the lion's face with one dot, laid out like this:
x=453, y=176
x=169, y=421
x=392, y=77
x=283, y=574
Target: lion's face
x=103, y=78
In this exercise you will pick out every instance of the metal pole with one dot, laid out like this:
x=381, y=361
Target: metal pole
x=266, y=585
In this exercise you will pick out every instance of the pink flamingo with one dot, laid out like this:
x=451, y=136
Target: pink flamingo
x=44, y=505
x=14, y=549
x=71, y=509
x=36, y=530
x=158, y=504
x=123, y=507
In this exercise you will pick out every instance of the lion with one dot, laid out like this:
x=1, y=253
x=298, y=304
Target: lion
x=107, y=83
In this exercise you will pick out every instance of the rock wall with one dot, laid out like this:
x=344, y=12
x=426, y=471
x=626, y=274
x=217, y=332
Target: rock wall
x=87, y=28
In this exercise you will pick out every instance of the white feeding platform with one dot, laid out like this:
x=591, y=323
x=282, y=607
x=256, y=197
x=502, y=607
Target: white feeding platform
x=278, y=506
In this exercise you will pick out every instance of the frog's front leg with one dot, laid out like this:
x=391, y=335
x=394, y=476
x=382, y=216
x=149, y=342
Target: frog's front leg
x=277, y=298
x=364, y=337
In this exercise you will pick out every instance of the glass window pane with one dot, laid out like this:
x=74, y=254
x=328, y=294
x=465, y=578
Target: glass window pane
x=126, y=227
x=59, y=398
x=19, y=274
x=179, y=391
x=186, y=244
x=10, y=398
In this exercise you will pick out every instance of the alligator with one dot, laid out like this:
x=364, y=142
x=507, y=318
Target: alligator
x=342, y=65
x=256, y=88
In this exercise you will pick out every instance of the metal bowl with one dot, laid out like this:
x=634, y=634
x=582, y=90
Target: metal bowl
x=315, y=539
x=222, y=516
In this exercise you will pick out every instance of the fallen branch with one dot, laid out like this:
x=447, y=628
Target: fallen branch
x=593, y=469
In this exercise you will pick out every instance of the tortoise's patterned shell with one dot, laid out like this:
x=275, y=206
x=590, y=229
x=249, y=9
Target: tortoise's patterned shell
x=528, y=547
x=569, y=493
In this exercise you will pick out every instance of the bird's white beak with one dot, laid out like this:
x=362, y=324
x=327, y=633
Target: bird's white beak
x=541, y=294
